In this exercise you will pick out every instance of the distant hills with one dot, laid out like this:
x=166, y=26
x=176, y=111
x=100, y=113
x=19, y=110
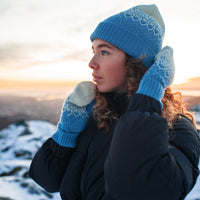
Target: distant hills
x=44, y=102
x=16, y=108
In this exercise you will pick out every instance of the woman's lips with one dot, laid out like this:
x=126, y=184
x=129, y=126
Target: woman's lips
x=96, y=78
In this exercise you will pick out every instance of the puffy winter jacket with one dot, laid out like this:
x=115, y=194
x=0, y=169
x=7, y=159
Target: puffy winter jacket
x=139, y=158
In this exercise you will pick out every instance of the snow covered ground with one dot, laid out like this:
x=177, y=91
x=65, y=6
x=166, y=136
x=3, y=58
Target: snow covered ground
x=19, y=188
x=18, y=144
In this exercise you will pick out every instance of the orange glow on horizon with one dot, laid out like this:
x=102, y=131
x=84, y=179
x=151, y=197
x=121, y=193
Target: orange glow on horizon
x=193, y=83
x=6, y=84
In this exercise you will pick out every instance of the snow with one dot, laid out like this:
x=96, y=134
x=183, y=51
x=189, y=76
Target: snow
x=18, y=144
x=19, y=188
x=13, y=143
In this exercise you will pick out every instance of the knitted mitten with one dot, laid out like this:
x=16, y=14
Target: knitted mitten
x=75, y=113
x=159, y=76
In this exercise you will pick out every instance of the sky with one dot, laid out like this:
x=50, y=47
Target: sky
x=48, y=40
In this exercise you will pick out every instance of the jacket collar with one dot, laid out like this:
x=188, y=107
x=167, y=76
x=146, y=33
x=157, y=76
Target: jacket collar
x=118, y=102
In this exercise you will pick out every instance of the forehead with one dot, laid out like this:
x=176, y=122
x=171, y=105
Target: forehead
x=98, y=43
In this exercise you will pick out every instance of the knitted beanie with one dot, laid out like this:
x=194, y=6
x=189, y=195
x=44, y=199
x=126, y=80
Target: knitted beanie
x=138, y=31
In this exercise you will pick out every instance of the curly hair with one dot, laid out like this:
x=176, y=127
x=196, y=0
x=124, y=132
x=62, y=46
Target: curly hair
x=173, y=105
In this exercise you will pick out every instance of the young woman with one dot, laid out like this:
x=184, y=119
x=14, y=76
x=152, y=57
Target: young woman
x=128, y=136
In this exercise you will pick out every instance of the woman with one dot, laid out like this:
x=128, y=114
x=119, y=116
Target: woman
x=128, y=136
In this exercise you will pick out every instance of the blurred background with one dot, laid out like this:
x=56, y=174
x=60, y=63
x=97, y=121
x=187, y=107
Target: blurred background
x=44, y=53
x=45, y=50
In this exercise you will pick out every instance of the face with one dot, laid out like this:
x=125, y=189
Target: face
x=109, y=69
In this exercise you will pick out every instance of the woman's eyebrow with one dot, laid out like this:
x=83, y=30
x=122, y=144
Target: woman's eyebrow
x=103, y=45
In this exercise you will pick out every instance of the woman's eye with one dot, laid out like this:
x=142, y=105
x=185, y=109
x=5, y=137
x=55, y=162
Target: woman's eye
x=104, y=52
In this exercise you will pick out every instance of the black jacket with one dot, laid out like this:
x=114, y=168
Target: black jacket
x=139, y=158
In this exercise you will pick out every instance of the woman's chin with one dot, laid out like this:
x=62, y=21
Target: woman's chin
x=103, y=89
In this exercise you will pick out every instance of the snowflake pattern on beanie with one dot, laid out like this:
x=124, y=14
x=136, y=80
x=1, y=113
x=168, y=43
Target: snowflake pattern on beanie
x=145, y=20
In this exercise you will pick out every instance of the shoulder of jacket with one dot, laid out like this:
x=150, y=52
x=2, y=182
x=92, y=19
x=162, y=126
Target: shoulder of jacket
x=185, y=137
x=184, y=123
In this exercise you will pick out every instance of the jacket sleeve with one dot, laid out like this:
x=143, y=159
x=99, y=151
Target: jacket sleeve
x=184, y=137
x=49, y=164
x=139, y=164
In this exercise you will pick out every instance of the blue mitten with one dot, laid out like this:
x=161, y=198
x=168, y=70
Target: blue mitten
x=75, y=113
x=159, y=76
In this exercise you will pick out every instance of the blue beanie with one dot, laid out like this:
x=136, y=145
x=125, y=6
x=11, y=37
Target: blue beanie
x=138, y=31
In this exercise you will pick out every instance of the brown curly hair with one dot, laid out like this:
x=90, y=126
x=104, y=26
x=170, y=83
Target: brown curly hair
x=173, y=105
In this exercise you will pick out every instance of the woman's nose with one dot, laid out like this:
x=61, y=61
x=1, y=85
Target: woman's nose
x=93, y=64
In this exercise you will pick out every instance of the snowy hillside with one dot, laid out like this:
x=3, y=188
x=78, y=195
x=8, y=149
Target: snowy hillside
x=18, y=144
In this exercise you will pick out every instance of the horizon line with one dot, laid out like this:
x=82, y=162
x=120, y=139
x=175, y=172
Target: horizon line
x=7, y=83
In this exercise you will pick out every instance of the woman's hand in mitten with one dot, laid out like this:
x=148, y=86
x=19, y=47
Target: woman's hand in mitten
x=159, y=76
x=75, y=113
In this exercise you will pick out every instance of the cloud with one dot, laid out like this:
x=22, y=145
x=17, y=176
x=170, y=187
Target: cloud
x=14, y=54
x=81, y=55
x=30, y=30
x=39, y=33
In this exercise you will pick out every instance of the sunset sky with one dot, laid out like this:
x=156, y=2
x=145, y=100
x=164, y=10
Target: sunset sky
x=48, y=40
